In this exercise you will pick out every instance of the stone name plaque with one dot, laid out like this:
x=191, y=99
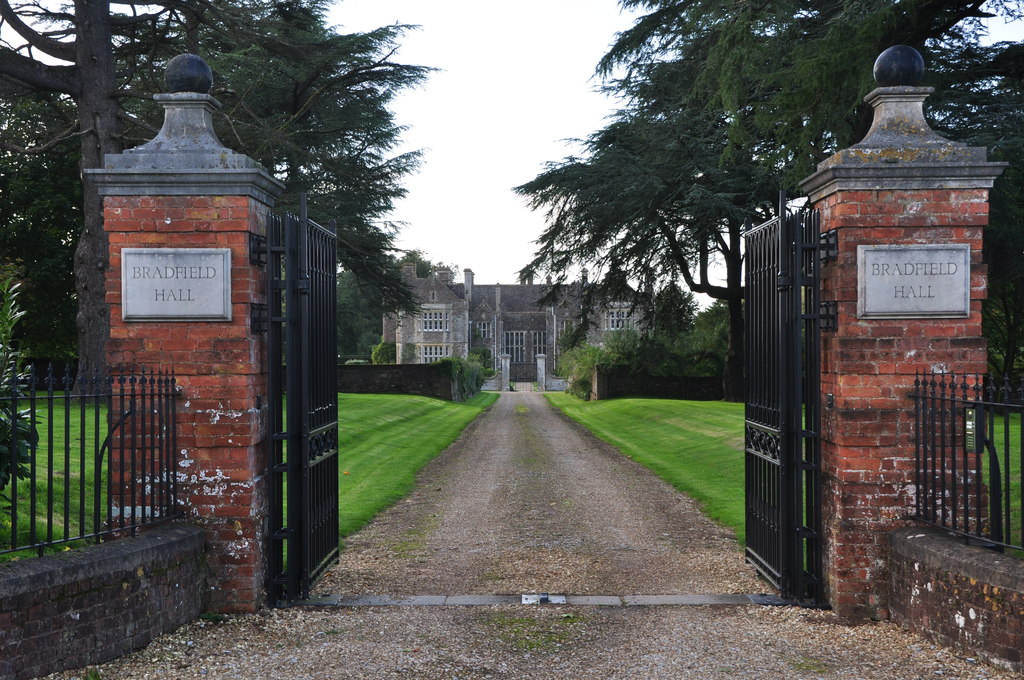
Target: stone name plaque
x=176, y=284
x=914, y=281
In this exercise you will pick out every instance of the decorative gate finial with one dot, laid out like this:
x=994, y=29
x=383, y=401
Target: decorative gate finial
x=188, y=73
x=899, y=66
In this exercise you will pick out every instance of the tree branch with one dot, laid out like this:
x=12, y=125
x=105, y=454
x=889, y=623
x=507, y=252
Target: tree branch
x=62, y=136
x=47, y=77
x=54, y=48
x=135, y=120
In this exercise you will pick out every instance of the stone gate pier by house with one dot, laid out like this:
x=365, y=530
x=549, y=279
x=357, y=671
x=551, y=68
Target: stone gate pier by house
x=907, y=210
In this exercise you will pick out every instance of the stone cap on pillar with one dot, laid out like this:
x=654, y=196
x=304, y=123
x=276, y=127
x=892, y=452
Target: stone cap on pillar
x=186, y=157
x=901, y=151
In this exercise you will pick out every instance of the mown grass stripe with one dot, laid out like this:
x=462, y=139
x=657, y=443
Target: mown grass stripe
x=385, y=439
x=696, y=446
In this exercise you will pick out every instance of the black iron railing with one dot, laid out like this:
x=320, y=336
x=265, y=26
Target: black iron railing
x=969, y=454
x=85, y=457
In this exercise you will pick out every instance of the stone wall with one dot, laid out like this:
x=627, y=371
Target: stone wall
x=611, y=382
x=420, y=379
x=966, y=597
x=96, y=603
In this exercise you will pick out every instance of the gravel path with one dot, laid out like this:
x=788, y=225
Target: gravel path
x=527, y=502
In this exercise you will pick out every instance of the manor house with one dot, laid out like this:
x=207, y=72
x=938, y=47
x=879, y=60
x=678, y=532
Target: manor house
x=455, y=318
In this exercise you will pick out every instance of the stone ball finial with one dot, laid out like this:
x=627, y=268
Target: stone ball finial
x=188, y=73
x=899, y=65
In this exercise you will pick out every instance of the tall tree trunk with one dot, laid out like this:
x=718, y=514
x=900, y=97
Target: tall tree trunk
x=732, y=377
x=100, y=124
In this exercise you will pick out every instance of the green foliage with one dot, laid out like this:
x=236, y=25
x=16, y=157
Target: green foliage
x=424, y=266
x=40, y=215
x=467, y=376
x=385, y=439
x=654, y=199
x=310, y=102
x=10, y=313
x=484, y=357
x=18, y=435
x=679, y=342
x=1003, y=310
x=383, y=352
x=696, y=446
x=359, y=315
x=705, y=347
x=793, y=74
x=577, y=366
x=362, y=304
x=724, y=103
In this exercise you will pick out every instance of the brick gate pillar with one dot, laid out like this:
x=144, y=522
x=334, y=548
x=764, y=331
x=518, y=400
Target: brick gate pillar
x=178, y=212
x=907, y=209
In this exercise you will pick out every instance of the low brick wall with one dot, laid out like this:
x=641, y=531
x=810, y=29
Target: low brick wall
x=96, y=603
x=617, y=381
x=962, y=596
x=421, y=379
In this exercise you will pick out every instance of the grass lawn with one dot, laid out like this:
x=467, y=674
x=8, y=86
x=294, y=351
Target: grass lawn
x=384, y=441
x=73, y=488
x=696, y=446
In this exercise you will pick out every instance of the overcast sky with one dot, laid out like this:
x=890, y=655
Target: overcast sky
x=515, y=83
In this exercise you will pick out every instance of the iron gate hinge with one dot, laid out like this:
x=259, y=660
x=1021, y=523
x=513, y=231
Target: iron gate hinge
x=257, y=249
x=829, y=246
x=806, y=532
x=828, y=315
x=259, y=317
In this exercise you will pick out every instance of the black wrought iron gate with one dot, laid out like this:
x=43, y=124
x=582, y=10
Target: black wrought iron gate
x=301, y=261
x=783, y=320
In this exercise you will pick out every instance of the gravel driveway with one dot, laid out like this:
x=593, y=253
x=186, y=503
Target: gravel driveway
x=527, y=502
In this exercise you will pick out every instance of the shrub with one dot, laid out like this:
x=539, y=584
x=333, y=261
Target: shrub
x=383, y=353
x=467, y=376
x=483, y=356
x=18, y=436
x=577, y=367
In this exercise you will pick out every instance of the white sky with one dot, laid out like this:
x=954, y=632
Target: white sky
x=516, y=82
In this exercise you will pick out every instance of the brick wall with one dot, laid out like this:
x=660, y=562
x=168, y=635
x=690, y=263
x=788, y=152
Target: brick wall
x=221, y=369
x=422, y=379
x=966, y=597
x=868, y=369
x=96, y=603
x=611, y=382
